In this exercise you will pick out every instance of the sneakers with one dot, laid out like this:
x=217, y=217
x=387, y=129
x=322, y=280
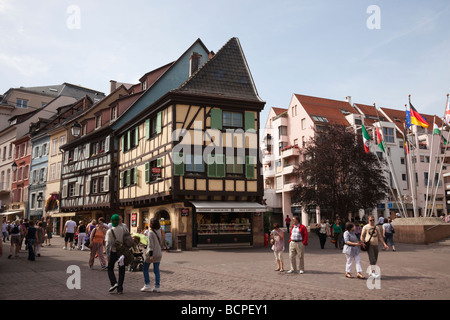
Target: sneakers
x=293, y=271
x=301, y=272
x=156, y=289
x=113, y=288
x=146, y=288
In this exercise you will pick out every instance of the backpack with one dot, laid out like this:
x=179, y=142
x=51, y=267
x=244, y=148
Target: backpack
x=15, y=229
x=122, y=249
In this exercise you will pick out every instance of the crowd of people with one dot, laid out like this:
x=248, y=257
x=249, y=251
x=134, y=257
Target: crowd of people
x=102, y=240
x=351, y=237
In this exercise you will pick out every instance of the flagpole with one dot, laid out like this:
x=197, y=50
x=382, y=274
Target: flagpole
x=429, y=170
x=440, y=172
x=394, y=177
x=411, y=172
x=434, y=189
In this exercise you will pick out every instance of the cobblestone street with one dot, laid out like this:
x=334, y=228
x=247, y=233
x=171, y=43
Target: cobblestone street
x=412, y=272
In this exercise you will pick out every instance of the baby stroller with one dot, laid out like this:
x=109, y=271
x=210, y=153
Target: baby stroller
x=138, y=263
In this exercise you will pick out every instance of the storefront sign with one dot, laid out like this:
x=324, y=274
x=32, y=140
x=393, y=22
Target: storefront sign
x=185, y=212
x=225, y=210
x=134, y=219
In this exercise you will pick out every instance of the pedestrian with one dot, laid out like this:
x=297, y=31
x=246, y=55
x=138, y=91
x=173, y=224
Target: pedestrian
x=146, y=231
x=323, y=232
x=114, y=233
x=336, y=233
x=23, y=230
x=388, y=233
x=4, y=230
x=44, y=227
x=298, y=239
x=40, y=237
x=69, y=233
x=81, y=235
x=16, y=235
x=371, y=235
x=153, y=255
x=358, y=229
x=288, y=222
x=49, y=231
x=277, y=238
x=97, y=238
x=351, y=251
x=30, y=237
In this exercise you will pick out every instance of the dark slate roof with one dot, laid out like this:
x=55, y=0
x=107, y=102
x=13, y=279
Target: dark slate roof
x=225, y=75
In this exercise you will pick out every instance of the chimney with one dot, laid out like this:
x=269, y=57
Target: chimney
x=113, y=85
x=348, y=99
x=211, y=54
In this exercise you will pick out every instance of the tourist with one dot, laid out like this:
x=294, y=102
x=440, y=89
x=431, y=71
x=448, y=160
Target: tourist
x=288, y=222
x=336, y=234
x=323, y=232
x=81, y=236
x=277, y=236
x=30, y=237
x=351, y=251
x=4, y=230
x=114, y=233
x=96, y=241
x=69, y=233
x=16, y=235
x=49, y=231
x=358, y=229
x=298, y=239
x=40, y=237
x=388, y=233
x=153, y=255
x=371, y=235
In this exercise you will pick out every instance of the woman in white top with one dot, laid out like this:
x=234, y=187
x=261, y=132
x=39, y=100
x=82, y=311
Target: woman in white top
x=153, y=255
x=323, y=228
x=351, y=251
x=277, y=235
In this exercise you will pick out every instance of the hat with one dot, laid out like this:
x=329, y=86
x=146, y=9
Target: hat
x=115, y=219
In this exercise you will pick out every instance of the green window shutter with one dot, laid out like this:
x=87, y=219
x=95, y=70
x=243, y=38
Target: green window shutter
x=212, y=166
x=159, y=122
x=220, y=166
x=128, y=179
x=135, y=175
x=250, y=167
x=147, y=129
x=136, y=136
x=128, y=140
x=122, y=181
x=178, y=169
x=122, y=144
x=216, y=119
x=159, y=162
x=147, y=172
x=249, y=121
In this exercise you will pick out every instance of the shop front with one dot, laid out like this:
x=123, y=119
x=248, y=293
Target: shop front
x=227, y=223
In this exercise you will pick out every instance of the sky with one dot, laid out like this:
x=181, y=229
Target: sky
x=374, y=51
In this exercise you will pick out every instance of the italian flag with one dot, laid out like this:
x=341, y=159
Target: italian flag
x=366, y=139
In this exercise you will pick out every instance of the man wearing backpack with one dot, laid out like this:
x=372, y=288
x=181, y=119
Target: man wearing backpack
x=15, y=239
x=114, y=235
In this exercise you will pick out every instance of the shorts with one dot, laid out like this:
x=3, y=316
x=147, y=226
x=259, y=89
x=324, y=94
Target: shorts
x=15, y=240
x=69, y=237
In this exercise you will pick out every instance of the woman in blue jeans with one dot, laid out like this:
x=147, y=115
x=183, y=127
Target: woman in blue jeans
x=153, y=255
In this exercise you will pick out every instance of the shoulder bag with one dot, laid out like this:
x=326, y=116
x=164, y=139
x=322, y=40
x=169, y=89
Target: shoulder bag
x=121, y=249
x=366, y=244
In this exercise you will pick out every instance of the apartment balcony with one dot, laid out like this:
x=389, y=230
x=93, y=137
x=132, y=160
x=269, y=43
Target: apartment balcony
x=289, y=169
x=269, y=173
x=268, y=158
x=290, y=151
x=273, y=199
x=289, y=187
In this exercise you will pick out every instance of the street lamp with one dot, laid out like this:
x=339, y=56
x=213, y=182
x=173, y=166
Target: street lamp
x=14, y=166
x=76, y=129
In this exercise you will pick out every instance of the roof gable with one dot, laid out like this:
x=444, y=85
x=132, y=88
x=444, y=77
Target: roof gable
x=226, y=75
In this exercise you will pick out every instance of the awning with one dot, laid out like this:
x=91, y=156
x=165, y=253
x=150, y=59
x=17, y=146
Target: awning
x=6, y=213
x=228, y=206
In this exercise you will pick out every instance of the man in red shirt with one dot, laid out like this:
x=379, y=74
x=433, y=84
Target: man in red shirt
x=298, y=239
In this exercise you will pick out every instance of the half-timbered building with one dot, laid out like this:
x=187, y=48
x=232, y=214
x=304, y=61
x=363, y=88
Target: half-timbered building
x=191, y=157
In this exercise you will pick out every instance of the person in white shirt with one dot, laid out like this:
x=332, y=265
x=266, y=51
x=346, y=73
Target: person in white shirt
x=69, y=233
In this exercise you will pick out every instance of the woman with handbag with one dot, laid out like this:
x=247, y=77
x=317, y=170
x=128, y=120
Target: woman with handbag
x=277, y=241
x=351, y=251
x=96, y=243
x=388, y=233
x=153, y=255
x=370, y=236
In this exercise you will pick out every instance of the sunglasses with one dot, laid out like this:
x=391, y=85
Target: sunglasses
x=371, y=220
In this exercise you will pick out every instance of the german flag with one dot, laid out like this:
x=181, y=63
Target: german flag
x=416, y=118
